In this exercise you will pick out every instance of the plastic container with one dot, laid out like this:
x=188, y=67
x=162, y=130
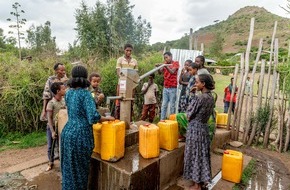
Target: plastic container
x=172, y=117
x=232, y=166
x=97, y=137
x=112, y=140
x=168, y=134
x=149, y=141
x=222, y=120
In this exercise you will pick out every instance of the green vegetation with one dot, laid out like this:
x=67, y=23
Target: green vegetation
x=19, y=141
x=246, y=176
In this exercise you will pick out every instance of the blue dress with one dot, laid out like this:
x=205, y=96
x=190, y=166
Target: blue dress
x=77, y=140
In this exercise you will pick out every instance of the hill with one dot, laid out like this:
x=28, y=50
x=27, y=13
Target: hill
x=235, y=31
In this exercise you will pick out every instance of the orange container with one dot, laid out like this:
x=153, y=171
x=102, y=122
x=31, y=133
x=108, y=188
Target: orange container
x=112, y=140
x=172, y=117
x=168, y=134
x=222, y=119
x=232, y=166
x=149, y=141
x=97, y=137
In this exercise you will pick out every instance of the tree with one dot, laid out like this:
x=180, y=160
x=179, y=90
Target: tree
x=216, y=47
x=40, y=40
x=19, y=24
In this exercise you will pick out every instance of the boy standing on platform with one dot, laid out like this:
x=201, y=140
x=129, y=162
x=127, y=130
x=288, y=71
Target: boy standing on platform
x=150, y=90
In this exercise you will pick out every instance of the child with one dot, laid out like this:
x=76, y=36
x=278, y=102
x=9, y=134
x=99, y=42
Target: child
x=197, y=166
x=183, y=81
x=95, y=80
x=227, y=97
x=53, y=107
x=150, y=90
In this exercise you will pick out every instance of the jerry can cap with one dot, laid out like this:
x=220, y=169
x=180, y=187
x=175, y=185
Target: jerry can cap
x=226, y=152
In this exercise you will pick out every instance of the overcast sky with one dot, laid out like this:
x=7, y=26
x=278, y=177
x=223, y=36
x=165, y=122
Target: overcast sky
x=170, y=19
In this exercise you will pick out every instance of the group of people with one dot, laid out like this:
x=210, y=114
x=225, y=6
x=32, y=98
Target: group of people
x=83, y=95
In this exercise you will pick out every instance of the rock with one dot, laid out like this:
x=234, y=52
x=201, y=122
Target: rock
x=236, y=144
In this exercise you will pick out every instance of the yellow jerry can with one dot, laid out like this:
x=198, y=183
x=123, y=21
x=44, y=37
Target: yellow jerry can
x=232, y=166
x=172, y=117
x=149, y=141
x=168, y=134
x=97, y=137
x=222, y=120
x=112, y=140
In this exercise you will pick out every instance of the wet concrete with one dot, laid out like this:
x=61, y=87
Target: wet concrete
x=135, y=172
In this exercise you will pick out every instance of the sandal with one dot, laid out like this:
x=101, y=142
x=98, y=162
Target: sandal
x=49, y=167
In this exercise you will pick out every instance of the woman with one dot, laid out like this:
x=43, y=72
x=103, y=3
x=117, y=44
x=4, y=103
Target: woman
x=200, y=60
x=197, y=166
x=77, y=140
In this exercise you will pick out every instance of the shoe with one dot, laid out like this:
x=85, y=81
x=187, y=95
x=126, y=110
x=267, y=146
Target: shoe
x=181, y=138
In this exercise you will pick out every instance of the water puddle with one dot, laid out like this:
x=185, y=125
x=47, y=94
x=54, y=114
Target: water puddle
x=267, y=177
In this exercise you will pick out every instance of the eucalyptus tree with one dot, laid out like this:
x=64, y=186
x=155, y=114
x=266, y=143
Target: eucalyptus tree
x=17, y=24
x=40, y=39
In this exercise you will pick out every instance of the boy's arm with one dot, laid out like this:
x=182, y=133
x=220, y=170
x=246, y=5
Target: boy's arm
x=145, y=88
x=50, y=123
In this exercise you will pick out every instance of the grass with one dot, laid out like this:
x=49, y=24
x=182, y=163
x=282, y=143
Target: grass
x=246, y=176
x=20, y=141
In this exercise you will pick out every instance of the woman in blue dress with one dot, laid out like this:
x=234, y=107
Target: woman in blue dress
x=197, y=166
x=77, y=140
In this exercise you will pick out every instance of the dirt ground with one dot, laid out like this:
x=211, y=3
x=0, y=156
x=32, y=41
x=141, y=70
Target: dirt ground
x=51, y=180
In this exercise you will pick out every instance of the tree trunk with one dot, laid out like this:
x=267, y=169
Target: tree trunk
x=268, y=126
x=236, y=108
x=271, y=58
x=247, y=63
x=259, y=101
x=288, y=131
x=250, y=112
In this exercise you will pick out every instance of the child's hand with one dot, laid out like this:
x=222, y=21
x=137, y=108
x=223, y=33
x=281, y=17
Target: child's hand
x=101, y=97
x=53, y=135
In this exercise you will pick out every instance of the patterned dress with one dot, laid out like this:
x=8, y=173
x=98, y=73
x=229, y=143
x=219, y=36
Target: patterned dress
x=182, y=100
x=77, y=140
x=197, y=165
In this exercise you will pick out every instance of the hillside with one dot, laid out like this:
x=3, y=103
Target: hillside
x=235, y=31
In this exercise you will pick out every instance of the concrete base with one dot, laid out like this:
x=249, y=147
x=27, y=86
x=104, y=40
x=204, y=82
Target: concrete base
x=135, y=172
x=221, y=138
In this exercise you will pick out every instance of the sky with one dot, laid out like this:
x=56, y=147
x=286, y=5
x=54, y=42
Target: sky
x=170, y=19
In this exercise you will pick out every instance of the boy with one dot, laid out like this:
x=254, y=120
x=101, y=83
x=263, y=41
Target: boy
x=95, y=80
x=227, y=97
x=149, y=90
x=52, y=109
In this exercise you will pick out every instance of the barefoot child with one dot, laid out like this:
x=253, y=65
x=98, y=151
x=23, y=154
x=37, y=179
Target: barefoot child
x=150, y=90
x=53, y=107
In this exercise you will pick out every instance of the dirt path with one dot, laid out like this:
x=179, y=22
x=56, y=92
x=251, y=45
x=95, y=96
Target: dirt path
x=37, y=178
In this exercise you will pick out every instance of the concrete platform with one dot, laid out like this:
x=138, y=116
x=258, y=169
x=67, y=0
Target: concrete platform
x=135, y=172
x=221, y=138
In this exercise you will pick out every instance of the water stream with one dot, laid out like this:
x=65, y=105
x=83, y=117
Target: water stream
x=266, y=177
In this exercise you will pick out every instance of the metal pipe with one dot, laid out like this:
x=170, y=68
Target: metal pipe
x=152, y=71
x=112, y=98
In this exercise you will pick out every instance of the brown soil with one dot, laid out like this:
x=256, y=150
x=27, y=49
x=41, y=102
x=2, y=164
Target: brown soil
x=51, y=180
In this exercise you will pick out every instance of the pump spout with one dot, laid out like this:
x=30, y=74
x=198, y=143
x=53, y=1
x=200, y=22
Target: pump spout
x=152, y=71
x=109, y=98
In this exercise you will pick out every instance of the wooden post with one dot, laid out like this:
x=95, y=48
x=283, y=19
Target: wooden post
x=281, y=113
x=242, y=90
x=232, y=96
x=202, y=48
x=270, y=61
x=250, y=112
x=190, y=39
x=260, y=93
x=236, y=107
x=288, y=131
x=268, y=126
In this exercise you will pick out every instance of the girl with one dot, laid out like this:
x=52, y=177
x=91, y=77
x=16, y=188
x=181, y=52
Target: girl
x=77, y=141
x=197, y=166
x=183, y=81
x=200, y=61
